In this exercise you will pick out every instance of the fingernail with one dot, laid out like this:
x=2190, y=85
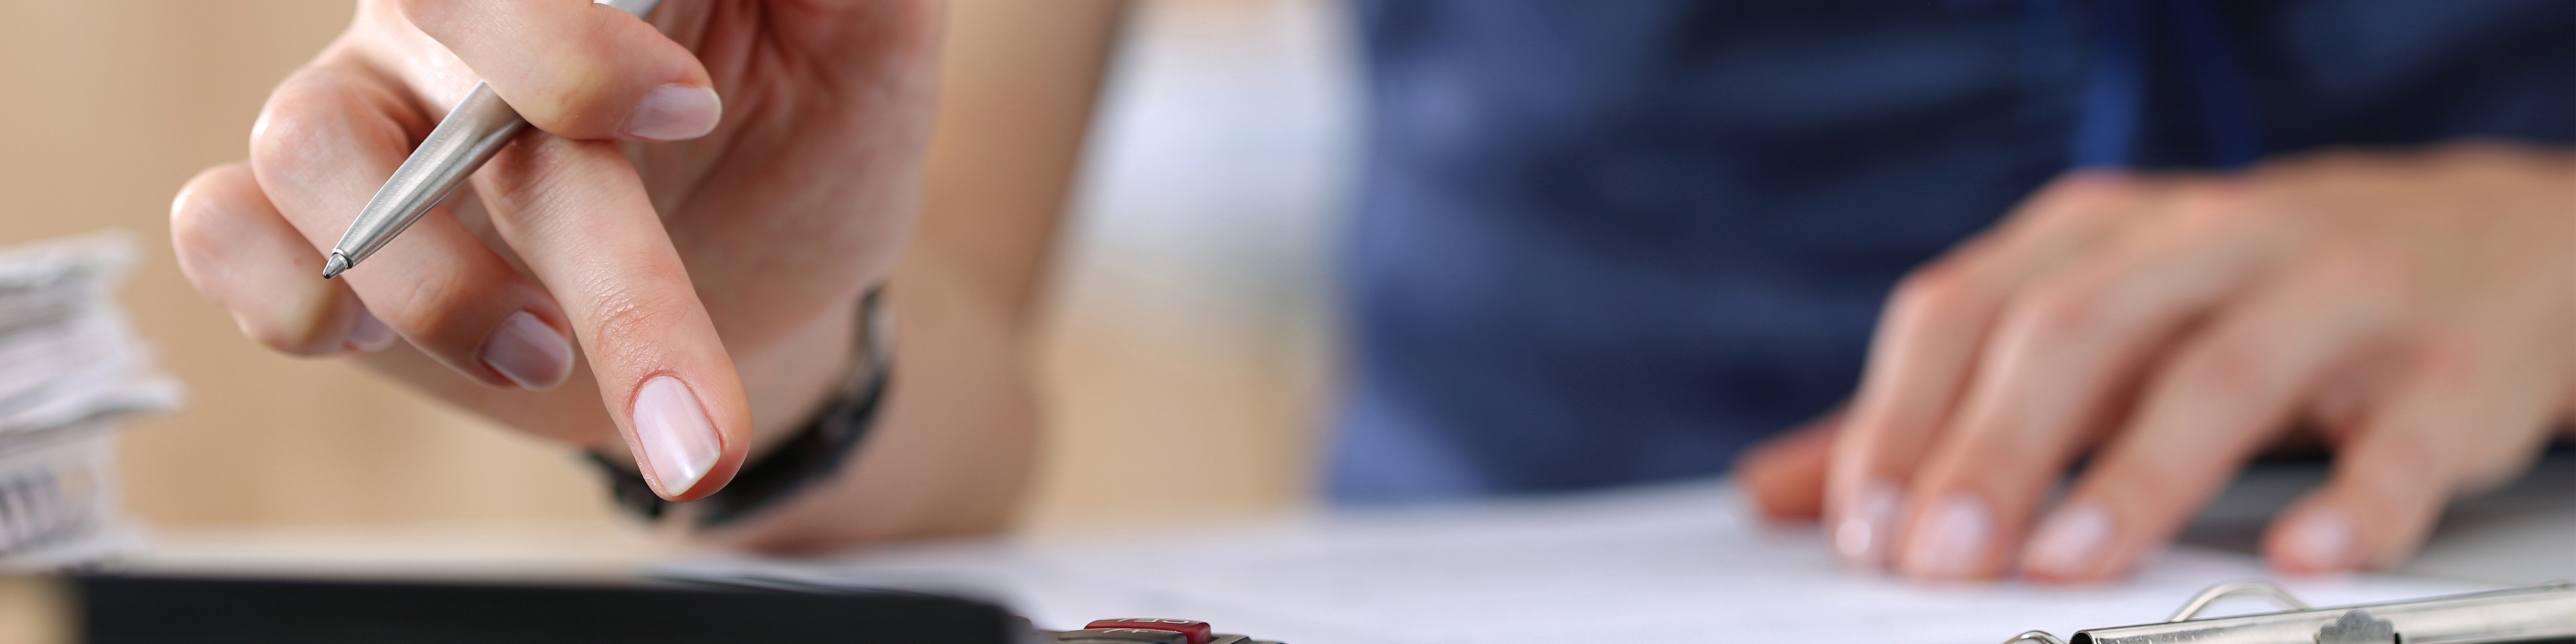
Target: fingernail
x=2322, y=540
x=2071, y=540
x=528, y=352
x=1952, y=541
x=370, y=334
x=679, y=442
x=1862, y=533
x=674, y=112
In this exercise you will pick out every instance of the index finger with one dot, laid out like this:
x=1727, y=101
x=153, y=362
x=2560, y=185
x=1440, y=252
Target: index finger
x=578, y=214
x=1923, y=353
x=575, y=68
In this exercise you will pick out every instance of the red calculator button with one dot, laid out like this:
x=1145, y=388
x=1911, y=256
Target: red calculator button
x=1198, y=631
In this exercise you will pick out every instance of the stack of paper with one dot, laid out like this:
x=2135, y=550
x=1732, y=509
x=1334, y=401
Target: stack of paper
x=71, y=369
x=1679, y=564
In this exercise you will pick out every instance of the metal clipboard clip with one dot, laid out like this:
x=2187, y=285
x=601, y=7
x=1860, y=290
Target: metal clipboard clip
x=2515, y=615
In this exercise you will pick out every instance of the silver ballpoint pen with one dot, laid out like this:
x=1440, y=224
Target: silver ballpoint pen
x=471, y=133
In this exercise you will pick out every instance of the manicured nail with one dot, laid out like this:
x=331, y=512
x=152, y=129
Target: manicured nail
x=528, y=352
x=1861, y=535
x=2071, y=541
x=2322, y=540
x=679, y=442
x=370, y=334
x=674, y=112
x=1952, y=540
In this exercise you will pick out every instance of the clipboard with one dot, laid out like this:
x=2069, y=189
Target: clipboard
x=2535, y=614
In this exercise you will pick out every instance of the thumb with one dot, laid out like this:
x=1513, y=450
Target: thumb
x=1786, y=475
x=577, y=69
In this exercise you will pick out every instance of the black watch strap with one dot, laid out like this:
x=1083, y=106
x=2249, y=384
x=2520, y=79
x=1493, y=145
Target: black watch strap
x=814, y=453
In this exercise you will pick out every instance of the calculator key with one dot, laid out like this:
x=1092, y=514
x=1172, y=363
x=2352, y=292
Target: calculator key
x=1198, y=631
x=1122, y=636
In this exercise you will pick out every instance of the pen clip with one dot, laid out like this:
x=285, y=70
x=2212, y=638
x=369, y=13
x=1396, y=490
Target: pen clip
x=2199, y=602
x=2042, y=637
x=2236, y=588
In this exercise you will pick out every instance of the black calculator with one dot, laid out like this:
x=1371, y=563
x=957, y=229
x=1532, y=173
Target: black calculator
x=121, y=609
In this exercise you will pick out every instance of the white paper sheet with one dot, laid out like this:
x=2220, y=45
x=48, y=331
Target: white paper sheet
x=71, y=369
x=1671, y=564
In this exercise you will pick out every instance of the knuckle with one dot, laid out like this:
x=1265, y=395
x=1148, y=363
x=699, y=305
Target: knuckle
x=2213, y=205
x=626, y=322
x=207, y=234
x=572, y=96
x=2353, y=272
x=2233, y=213
x=213, y=195
x=293, y=114
x=295, y=342
x=2059, y=311
x=2082, y=197
x=435, y=312
x=2222, y=372
x=187, y=208
x=307, y=115
x=2090, y=188
x=192, y=230
x=1945, y=292
x=299, y=329
x=2446, y=360
x=2137, y=484
x=197, y=246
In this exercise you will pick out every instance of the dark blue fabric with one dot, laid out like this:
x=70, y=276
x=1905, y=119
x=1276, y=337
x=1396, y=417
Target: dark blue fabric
x=1611, y=242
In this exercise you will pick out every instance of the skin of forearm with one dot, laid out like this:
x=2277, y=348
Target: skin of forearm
x=952, y=450
x=793, y=379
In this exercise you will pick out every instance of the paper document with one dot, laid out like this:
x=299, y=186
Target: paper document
x=71, y=369
x=1683, y=563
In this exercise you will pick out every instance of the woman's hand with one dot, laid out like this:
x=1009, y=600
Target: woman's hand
x=2417, y=309
x=701, y=211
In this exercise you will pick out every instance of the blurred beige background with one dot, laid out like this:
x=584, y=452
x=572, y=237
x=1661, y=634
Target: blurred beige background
x=1187, y=317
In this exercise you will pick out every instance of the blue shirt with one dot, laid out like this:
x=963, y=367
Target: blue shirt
x=1612, y=242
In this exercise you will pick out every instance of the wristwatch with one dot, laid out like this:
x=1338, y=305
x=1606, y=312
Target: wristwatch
x=814, y=453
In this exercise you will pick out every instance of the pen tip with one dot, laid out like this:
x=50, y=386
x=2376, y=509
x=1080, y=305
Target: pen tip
x=338, y=263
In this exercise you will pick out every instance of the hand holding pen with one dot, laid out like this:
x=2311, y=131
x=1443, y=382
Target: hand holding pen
x=680, y=238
